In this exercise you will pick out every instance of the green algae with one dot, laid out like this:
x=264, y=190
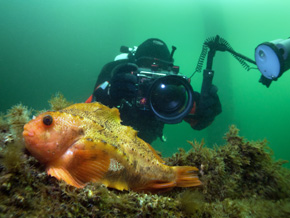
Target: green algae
x=240, y=179
x=238, y=169
x=16, y=118
x=58, y=102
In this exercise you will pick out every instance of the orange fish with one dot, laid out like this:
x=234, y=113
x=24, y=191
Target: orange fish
x=86, y=143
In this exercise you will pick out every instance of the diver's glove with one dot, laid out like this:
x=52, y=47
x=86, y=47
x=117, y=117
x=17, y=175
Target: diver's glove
x=208, y=106
x=123, y=86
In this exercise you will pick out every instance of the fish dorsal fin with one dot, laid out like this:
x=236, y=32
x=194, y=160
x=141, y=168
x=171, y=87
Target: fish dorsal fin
x=94, y=111
x=83, y=166
x=133, y=133
x=155, y=154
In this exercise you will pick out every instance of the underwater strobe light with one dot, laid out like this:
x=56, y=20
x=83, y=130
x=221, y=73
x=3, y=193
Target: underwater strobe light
x=273, y=59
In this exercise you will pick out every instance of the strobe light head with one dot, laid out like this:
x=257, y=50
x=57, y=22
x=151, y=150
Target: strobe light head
x=272, y=59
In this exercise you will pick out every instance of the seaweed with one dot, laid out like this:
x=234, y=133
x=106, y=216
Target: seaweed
x=12, y=157
x=5, y=136
x=240, y=179
x=58, y=102
x=192, y=202
x=17, y=116
x=4, y=126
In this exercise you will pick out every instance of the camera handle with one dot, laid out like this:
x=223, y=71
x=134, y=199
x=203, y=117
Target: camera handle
x=209, y=48
x=206, y=83
x=208, y=73
x=208, y=90
x=217, y=44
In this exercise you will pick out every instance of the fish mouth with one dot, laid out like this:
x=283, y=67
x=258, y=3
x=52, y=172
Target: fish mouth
x=26, y=132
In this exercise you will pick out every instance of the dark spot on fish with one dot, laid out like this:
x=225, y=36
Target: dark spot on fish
x=106, y=124
x=147, y=168
x=94, y=146
x=101, y=130
x=134, y=163
x=94, y=157
x=81, y=132
x=89, y=139
x=115, y=146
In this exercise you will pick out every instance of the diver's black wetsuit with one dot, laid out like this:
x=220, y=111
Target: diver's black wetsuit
x=144, y=121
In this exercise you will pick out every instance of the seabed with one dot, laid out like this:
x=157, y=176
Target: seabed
x=240, y=179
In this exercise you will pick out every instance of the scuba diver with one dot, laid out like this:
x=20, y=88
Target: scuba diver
x=146, y=87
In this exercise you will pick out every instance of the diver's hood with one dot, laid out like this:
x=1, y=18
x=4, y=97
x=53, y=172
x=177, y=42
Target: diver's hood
x=153, y=49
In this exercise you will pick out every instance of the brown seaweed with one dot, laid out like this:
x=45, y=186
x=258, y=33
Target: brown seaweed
x=240, y=179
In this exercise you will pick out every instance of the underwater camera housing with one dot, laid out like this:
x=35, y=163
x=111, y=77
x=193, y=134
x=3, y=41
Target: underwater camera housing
x=160, y=88
x=168, y=95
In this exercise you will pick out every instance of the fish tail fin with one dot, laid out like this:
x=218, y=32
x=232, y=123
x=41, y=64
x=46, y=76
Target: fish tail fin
x=186, y=176
x=156, y=186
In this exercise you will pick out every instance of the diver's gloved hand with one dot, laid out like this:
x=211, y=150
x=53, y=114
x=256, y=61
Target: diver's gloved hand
x=209, y=104
x=123, y=86
x=207, y=108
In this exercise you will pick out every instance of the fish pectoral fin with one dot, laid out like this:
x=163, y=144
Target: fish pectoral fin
x=85, y=166
x=62, y=174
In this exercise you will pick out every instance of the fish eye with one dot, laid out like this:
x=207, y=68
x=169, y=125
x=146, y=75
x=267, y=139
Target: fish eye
x=47, y=120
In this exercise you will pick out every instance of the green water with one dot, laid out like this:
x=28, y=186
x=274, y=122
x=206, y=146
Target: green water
x=61, y=46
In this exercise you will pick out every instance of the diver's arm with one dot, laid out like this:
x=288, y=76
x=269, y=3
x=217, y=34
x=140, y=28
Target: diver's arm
x=119, y=87
x=101, y=89
x=205, y=109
